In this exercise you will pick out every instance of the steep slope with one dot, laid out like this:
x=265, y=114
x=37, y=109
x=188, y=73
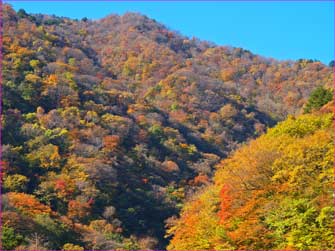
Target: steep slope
x=274, y=193
x=109, y=125
x=278, y=88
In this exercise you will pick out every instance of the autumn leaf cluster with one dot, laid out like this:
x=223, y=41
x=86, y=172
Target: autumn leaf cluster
x=276, y=192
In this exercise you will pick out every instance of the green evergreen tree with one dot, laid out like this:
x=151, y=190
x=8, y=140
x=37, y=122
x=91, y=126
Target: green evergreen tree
x=319, y=97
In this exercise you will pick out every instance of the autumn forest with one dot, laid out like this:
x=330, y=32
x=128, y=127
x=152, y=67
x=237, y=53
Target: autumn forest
x=120, y=134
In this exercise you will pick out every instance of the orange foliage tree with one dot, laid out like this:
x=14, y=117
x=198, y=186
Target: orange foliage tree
x=27, y=203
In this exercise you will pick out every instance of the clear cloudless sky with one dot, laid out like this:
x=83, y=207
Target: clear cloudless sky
x=281, y=30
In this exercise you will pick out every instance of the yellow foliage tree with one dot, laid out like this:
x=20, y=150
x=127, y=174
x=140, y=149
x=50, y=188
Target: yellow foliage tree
x=273, y=193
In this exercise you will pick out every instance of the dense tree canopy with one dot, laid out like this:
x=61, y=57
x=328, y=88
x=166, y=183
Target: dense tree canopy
x=276, y=192
x=110, y=126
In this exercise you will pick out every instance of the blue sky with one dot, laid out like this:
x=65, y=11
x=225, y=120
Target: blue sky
x=281, y=30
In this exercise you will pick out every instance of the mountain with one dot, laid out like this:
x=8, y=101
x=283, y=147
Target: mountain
x=109, y=126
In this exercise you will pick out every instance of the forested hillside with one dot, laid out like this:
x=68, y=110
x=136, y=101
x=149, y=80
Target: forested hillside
x=275, y=193
x=109, y=126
